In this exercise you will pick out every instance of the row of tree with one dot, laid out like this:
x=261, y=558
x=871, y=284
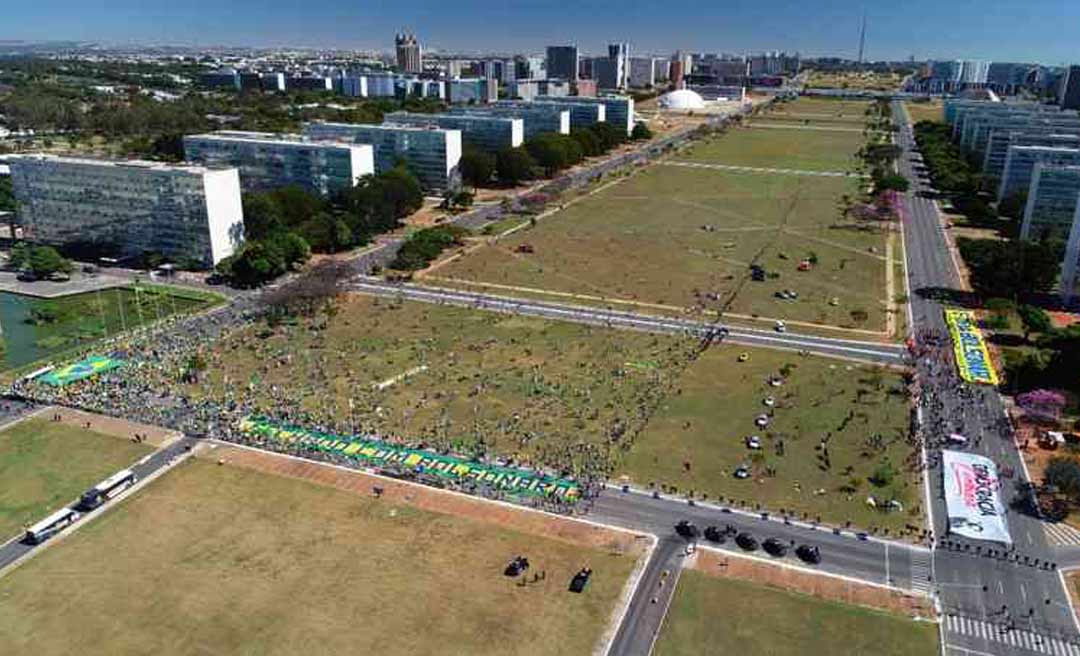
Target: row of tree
x=284, y=226
x=425, y=245
x=545, y=154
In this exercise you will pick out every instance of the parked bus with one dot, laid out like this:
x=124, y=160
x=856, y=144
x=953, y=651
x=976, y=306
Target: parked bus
x=107, y=489
x=51, y=525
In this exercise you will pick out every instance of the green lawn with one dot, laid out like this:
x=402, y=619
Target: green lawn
x=711, y=616
x=686, y=237
x=925, y=111
x=537, y=390
x=787, y=148
x=216, y=559
x=695, y=440
x=45, y=465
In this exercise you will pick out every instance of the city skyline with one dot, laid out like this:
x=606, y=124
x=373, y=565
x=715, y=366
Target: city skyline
x=1004, y=31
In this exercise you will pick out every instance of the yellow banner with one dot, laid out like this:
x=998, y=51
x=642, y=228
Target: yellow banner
x=972, y=357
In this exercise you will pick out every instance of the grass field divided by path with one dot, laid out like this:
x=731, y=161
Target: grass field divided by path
x=220, y=559
x=793, y=148
x=45, y=465
x=686, y=237
x=549, y=393
x=712, y=615
x=696, y=439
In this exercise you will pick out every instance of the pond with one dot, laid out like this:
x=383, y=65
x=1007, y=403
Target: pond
x=36, y=328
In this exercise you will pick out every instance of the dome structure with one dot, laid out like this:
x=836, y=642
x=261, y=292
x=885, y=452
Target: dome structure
x=682, y=99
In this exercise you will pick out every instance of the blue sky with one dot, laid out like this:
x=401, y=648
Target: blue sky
x=1004, y=30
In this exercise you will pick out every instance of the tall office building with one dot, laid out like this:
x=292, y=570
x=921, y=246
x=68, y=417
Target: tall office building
x=1069, y=97
x=270, y=161
x=536, y=118
x=619, y=56
x=1053, y=210
x=431, y=154
x=1020, y=165
x=562, y=62
x=189, y=213
x=619, y=110
x=410, y=57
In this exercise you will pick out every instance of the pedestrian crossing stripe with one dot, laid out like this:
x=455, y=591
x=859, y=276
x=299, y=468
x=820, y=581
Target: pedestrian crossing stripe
x=1016, y=637
x=1061, y=534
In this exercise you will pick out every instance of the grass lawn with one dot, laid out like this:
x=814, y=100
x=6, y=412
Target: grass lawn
x=225, y=560
x=926, y=111
x=711, y=615
x=538, y=390
x=785, y=148
x=45, y=465
x=36, y=328
x=686, y=237
x=695, y=441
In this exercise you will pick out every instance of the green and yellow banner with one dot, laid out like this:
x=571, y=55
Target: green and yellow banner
x=512, y=480
x=69, y=373
x=972, y=356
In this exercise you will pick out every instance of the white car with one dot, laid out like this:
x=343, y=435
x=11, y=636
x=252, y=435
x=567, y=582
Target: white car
x=780, y=327
x=753, y=442
x=762, y=421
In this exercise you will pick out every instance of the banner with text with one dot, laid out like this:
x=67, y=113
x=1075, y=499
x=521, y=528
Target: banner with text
x=512, y=480
x=972, y=356
x=972, y=497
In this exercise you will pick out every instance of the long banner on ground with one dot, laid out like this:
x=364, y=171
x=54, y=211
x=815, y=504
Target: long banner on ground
x=972, y=356
x=512, y=480
x=972, y=499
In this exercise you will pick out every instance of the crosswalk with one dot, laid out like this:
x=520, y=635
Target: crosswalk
x=1061, y=535
x=1016, y=638
x=921, y=571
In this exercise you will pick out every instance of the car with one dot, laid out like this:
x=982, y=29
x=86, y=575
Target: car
x=743, y=357
x=742, y=472
x=516, y=566
x=26, y=276
x=808, y=554
x=761, y=421
x=580, y=580
x=215, y=279
x=687, y=529
x=780, y=327
x=753, y=442
x=714, y=534
x=746, y=542
x=769, y=401
x=775, y=547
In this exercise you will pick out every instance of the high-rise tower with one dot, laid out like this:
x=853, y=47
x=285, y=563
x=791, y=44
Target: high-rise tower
x=862, y=37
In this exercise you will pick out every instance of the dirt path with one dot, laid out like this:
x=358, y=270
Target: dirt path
x=154, y=435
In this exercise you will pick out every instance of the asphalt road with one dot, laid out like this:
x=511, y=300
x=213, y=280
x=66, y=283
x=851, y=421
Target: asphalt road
x=890, y=354
x=983, y=594
x=156, y=461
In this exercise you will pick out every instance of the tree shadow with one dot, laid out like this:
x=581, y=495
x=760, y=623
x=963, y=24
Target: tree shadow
x=946, y=295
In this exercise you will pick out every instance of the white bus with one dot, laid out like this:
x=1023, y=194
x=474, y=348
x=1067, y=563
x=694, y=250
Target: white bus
x=107, y=489
x=51, y=525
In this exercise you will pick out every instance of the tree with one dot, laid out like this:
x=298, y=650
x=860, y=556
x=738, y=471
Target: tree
x=477, y=167
x=1035, y=320
x=1012, y=206
x=514, y=165
x=641, y=132
x=892, y=182
x=44, y=261
x=7, y=196
x=555, y=152
x=883, y=475
x=1064, y=474
x=262, y=216
x=168, y=147
x=326, y=233
x=1010, y=268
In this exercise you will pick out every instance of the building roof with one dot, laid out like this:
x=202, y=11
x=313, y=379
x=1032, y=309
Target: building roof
x=682, y=99
x=126, y=163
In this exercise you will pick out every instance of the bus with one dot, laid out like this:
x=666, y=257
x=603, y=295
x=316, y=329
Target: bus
x=51, y=525
x=107, y=489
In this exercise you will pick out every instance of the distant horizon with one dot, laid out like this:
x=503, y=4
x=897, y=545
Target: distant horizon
x=993, y=30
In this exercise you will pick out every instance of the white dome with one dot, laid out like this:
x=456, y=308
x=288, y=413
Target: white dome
x=682, y=99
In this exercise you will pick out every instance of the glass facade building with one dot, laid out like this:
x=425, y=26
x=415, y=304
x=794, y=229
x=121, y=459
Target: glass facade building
x=269, y=161
x=187, y=213
x=432, y=154
x=487, y=132
x=535, y=118
x=1020, y=164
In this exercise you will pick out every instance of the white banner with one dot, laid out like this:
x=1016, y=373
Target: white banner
x=972, y=499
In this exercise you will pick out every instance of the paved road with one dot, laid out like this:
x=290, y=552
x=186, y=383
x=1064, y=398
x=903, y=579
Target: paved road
x=870, y=351
x=971, y=583
x=158, y=460
x=645, y=615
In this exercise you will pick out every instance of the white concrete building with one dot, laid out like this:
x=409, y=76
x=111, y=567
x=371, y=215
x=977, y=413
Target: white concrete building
x=189, y=213
x=432, y=154
x=269, y=161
